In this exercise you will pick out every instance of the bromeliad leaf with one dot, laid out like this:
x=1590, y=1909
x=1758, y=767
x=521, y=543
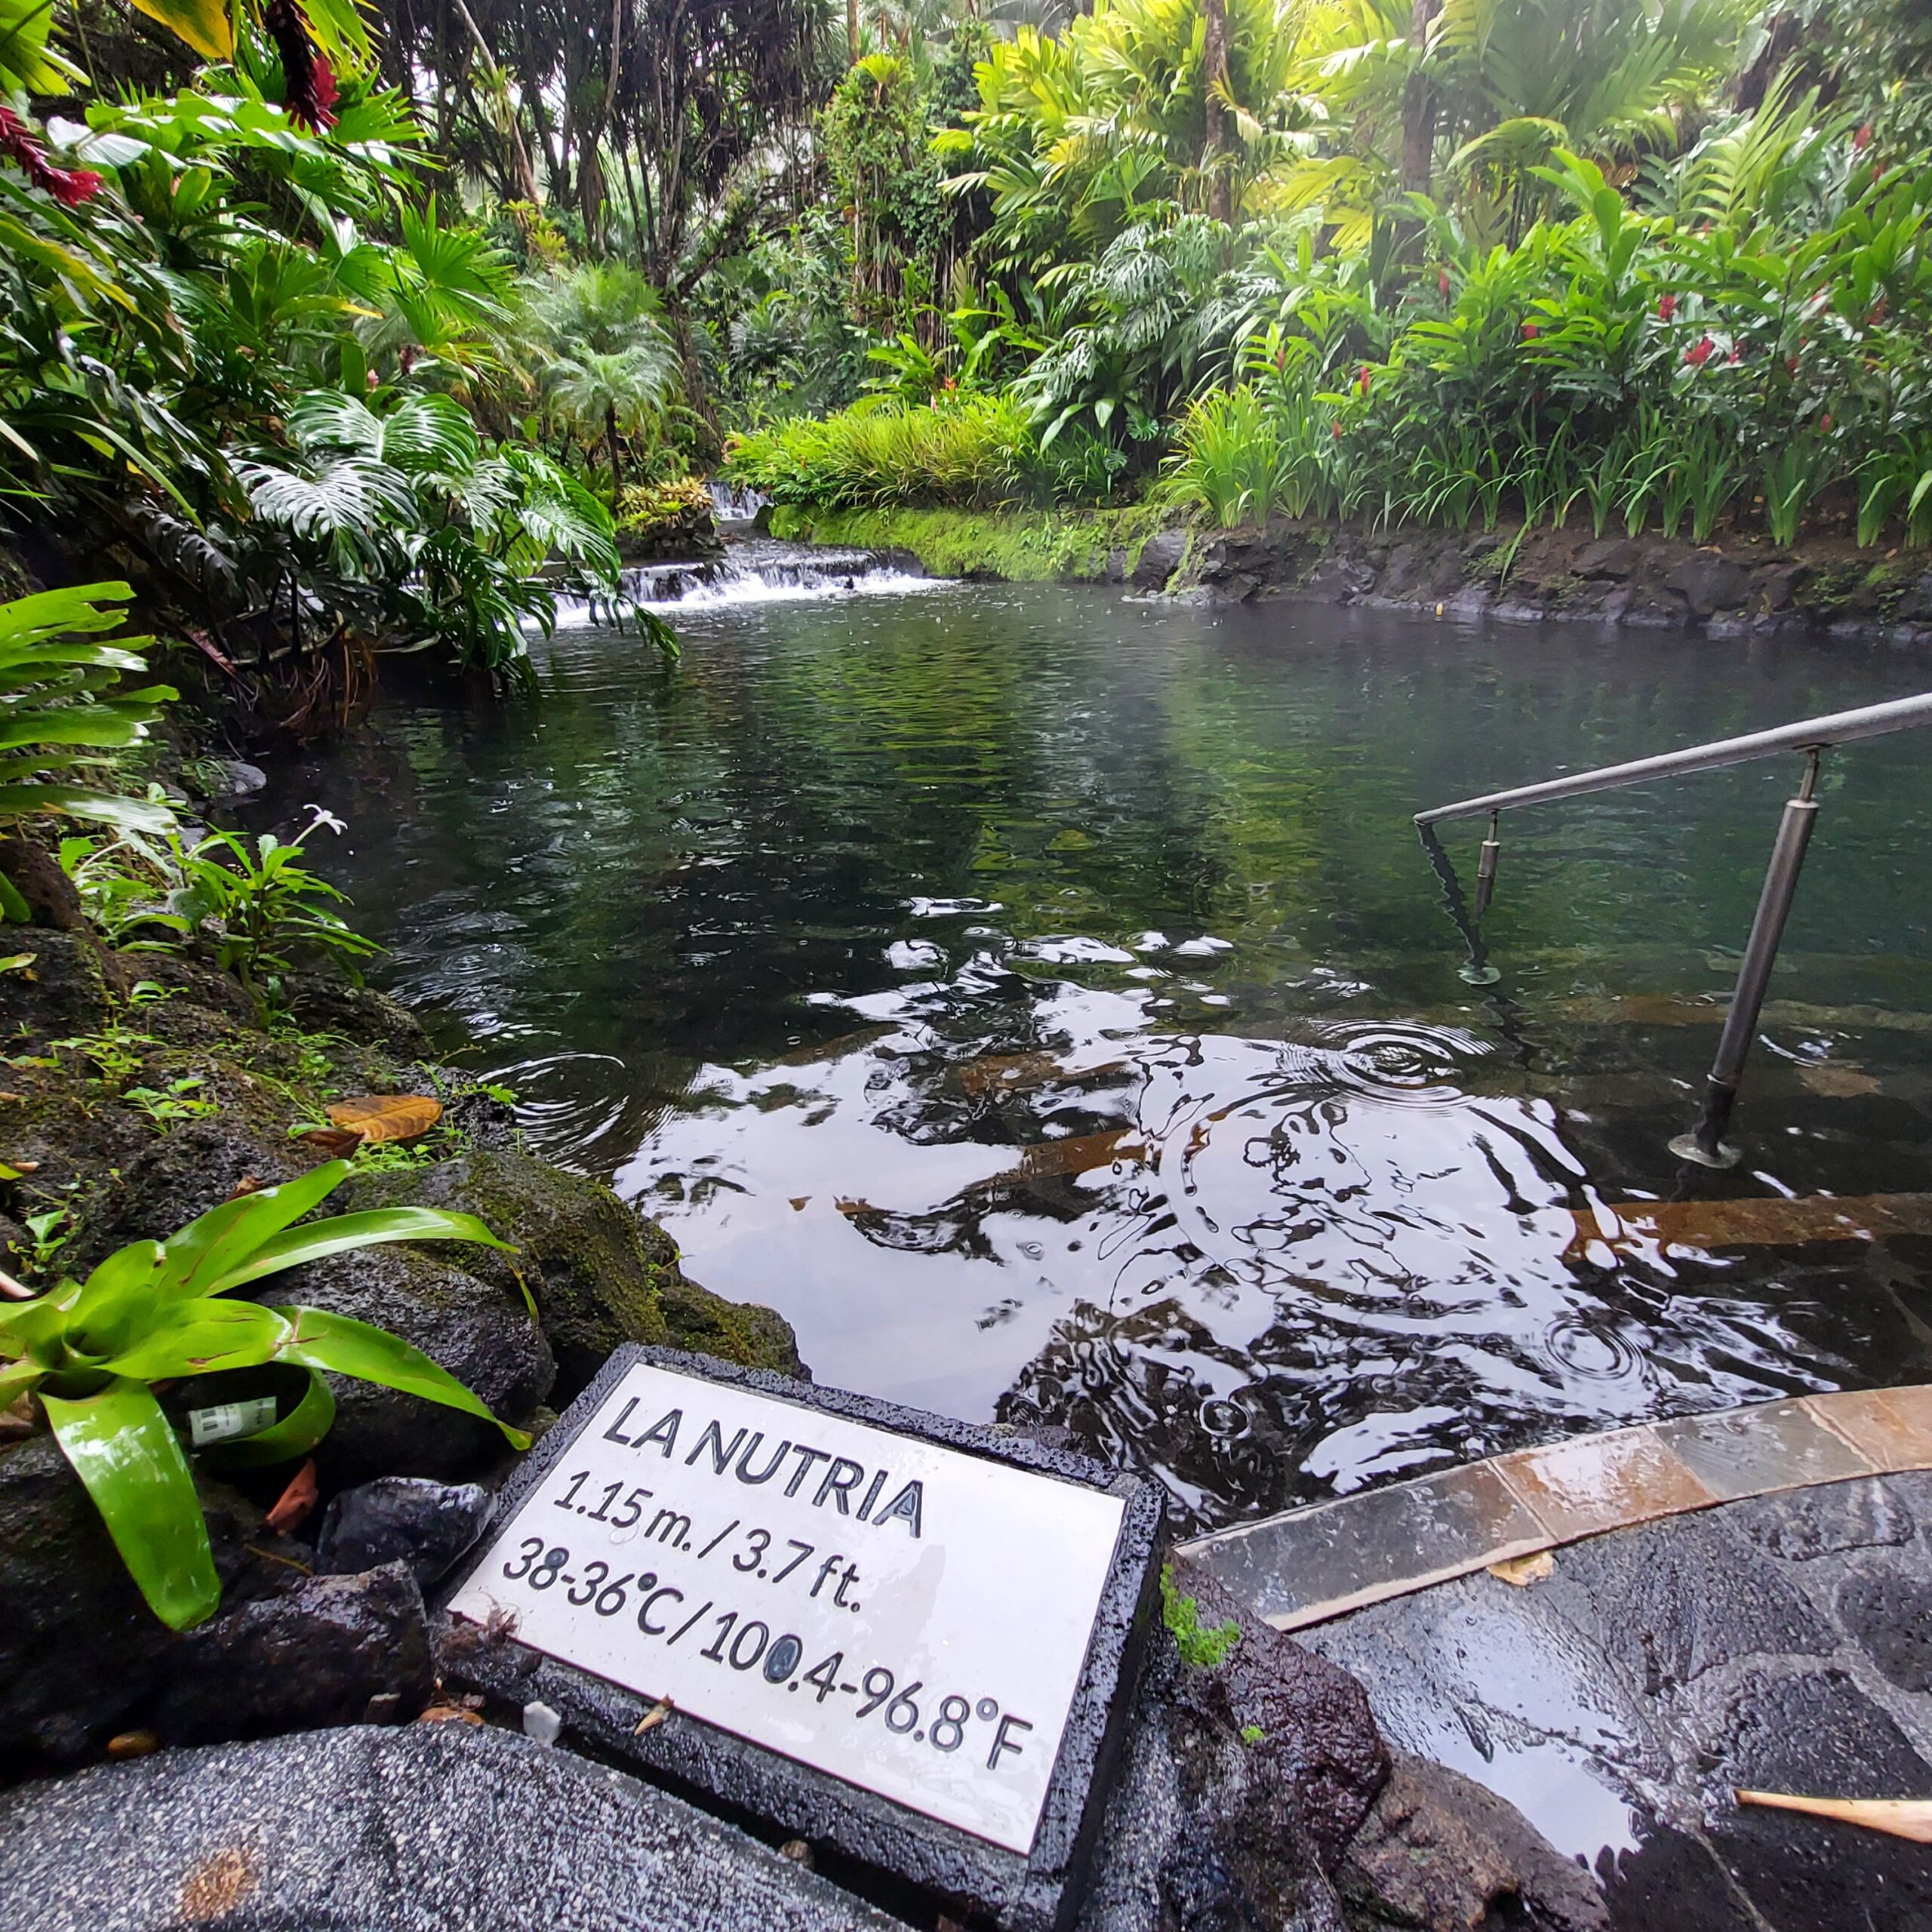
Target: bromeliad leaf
x=342, y=1232
x=202, y=1336
x=214, y=1244
x=129, y=1458
x=339, y=1342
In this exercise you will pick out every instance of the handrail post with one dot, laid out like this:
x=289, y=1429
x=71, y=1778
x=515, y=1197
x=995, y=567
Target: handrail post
x=1705, y=1145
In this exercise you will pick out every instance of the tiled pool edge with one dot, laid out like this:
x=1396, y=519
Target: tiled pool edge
x=1306, y=1566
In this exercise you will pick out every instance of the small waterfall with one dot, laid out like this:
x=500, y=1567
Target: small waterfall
x=734, y=504
x=757, y=571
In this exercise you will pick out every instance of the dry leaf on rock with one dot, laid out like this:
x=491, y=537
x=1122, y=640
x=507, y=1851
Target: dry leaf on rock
x=653, y=1718
x=296, y=1501
x=1903, y=1817
x=448, y=1714
x=381, y=1117
x=338, y=1142
x=1520, y=1571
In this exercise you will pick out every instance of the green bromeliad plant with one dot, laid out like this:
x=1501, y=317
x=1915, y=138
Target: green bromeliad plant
x=92, y=1352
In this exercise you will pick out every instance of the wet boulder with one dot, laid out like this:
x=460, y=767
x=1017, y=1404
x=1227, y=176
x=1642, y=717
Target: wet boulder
x=602, y=1276
x=79, y=1649
x=1243, y=1783
x=423, y=1829
x=479, y=1330
x=427, y=1525
x=1439, y=1854
x=325, y=1652
x=326, y=1003
x=1159, y=559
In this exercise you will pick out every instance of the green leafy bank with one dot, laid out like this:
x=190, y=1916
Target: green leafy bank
x=1020, y=547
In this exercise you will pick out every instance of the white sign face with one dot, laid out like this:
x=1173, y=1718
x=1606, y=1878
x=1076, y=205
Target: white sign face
x=907, y=1618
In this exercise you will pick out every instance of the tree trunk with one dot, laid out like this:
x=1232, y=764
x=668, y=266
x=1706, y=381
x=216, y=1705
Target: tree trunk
x=1419, y=107
x=616, y=456
x=852, y=32
x=1219, y=118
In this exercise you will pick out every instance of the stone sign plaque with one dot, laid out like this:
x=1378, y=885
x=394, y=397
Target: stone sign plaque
x=908, y=1617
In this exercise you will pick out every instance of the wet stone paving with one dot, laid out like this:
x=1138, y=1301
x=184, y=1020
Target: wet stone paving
x=1782, y=1642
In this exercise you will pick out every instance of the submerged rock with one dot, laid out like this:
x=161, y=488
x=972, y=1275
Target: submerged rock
x=427, y=1525
x=313, y=1656
x=427, y=1829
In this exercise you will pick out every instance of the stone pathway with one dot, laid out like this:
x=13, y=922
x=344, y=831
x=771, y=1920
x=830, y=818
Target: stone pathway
x=1305, y=1566
x=1779, y=1641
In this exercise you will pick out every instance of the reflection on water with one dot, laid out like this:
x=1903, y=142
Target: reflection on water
x=1043, y=999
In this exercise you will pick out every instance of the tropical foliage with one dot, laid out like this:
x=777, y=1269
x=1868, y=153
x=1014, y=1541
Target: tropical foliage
x=163, y=1312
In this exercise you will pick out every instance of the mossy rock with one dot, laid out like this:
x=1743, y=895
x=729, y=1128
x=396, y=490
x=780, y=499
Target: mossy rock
x=601, y=1276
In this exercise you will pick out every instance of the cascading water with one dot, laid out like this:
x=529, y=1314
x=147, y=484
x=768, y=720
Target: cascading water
x=734, y=505
x=758, y=571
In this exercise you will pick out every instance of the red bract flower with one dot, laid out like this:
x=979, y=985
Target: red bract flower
x=1700, y=352
x=1337, y=427
x=1791, y=365
x=1530, y=331
x=1862, y=140
x=1666, y=308
x=1364, y=384
x=1825, y=423
x=1442, y=282
x=70, y=186
x=1877, y=314
x=308, y=86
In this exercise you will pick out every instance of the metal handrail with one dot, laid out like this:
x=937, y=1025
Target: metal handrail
x=1814, y=736
x=1839, y=728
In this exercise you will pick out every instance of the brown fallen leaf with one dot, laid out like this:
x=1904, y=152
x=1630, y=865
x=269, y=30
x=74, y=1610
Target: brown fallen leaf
x=133, y=1744
x=653, y=1718
x=247, y=1184
x=1902, y=1817
x=381, y=1117
x=296, y=1501
x=449, y=1714
x=1520, y=1571
x=336, y=1142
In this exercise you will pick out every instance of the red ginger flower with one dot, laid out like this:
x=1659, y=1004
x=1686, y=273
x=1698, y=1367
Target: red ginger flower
x=1442, y=282
x=1364, y=384
x=1666, y=307
x=1530, y=331
x=70, y=186
x=1700, y=352
x=1862, y=140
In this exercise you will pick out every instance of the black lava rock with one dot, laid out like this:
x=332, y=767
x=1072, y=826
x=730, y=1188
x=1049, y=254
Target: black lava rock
x=427, y=1525
x=426, y=1828
x=310, y=1658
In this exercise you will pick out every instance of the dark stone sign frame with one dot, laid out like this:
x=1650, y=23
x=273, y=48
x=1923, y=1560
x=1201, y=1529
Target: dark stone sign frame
x=1039, y=1892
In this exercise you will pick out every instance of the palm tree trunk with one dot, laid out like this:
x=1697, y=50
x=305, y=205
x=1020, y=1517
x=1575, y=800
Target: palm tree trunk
x=1418, y=107
x=852, y=32
x=617, y=456
x=1220, y=145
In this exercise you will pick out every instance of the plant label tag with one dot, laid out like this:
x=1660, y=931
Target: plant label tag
x=227, y=1420
x=908, y=1617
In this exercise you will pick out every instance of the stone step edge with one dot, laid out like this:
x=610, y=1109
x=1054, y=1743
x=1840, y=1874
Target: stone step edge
x=1528, y=1501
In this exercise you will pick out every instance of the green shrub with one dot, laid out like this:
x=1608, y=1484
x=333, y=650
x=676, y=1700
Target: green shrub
x=969, y=451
